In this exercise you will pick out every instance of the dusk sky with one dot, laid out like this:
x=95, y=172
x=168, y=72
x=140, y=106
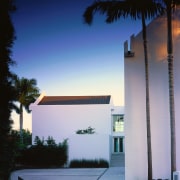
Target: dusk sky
x=67, y=56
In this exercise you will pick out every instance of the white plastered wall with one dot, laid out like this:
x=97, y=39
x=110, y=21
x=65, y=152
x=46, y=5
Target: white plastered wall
x=90, y=147
x=62, y=121
x=135, y=112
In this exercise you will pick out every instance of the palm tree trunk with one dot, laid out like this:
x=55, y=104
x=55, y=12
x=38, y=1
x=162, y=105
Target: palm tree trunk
x=171, y=89
x=148, y=125
x=21, y=123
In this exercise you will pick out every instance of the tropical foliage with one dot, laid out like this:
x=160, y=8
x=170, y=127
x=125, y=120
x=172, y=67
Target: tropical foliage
x=44, y=154
x=89, y=130
x=27, y=138
x=7, y=95
x=26, y=93
x=17, y=146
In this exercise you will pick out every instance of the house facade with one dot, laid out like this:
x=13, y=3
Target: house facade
x=135, y=112
x=62, y=117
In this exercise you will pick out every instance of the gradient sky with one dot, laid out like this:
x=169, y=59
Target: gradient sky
x=67, y=56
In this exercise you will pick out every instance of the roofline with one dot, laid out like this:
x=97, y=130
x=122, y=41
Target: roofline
x=37, y=100
x=43, y=94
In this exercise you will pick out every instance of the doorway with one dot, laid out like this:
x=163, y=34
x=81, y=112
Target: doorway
x=118, y=144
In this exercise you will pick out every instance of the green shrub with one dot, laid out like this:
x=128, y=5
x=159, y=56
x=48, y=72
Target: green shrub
x=85, y=163
x=26, y=136
x=89, y=130
x=43, y=154
x=18, y=144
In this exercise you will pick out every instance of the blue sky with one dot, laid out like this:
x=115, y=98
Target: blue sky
x=67, y=56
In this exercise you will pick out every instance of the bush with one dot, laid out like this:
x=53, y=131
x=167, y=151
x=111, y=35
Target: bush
x=43, y=154
x=26, y=136
x=18, y=145
x=89, y=130
x=84, y=163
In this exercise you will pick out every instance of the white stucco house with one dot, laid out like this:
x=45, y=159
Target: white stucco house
x=62, y=116
x=135, y=112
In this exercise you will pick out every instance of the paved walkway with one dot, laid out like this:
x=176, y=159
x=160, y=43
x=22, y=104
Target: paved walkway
x=112, y=173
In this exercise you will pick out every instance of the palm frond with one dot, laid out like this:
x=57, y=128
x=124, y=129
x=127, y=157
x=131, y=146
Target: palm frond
x=114, y=10
x=16, y=108
x=26, y=91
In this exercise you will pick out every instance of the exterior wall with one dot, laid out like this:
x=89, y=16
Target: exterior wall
x=94, y=146
x=117, y=110
x=62, y=121
x=135, y=112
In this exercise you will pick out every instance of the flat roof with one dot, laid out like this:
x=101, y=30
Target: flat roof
x=74, y=100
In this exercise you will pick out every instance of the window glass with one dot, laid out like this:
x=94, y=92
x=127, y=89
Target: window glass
x=118, y=123
x=118, y=144
x=115, y=144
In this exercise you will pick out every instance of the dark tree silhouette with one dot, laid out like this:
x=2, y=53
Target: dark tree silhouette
x=6, y=96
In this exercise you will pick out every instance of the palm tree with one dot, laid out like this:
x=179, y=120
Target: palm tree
x=140, y=9
x=170, y=7
x=26, y=93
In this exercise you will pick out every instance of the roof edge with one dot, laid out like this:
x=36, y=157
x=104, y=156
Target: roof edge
x=74, y=100
x=37, y=100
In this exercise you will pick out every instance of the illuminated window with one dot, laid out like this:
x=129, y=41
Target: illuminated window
x=118, y=123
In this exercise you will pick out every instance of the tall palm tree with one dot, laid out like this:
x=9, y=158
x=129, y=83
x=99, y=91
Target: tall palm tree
x=140, y=9
x=26, y=93
x=170, y=7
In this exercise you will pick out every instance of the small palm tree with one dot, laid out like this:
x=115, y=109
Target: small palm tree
x=140, y=9
x=26, y=93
